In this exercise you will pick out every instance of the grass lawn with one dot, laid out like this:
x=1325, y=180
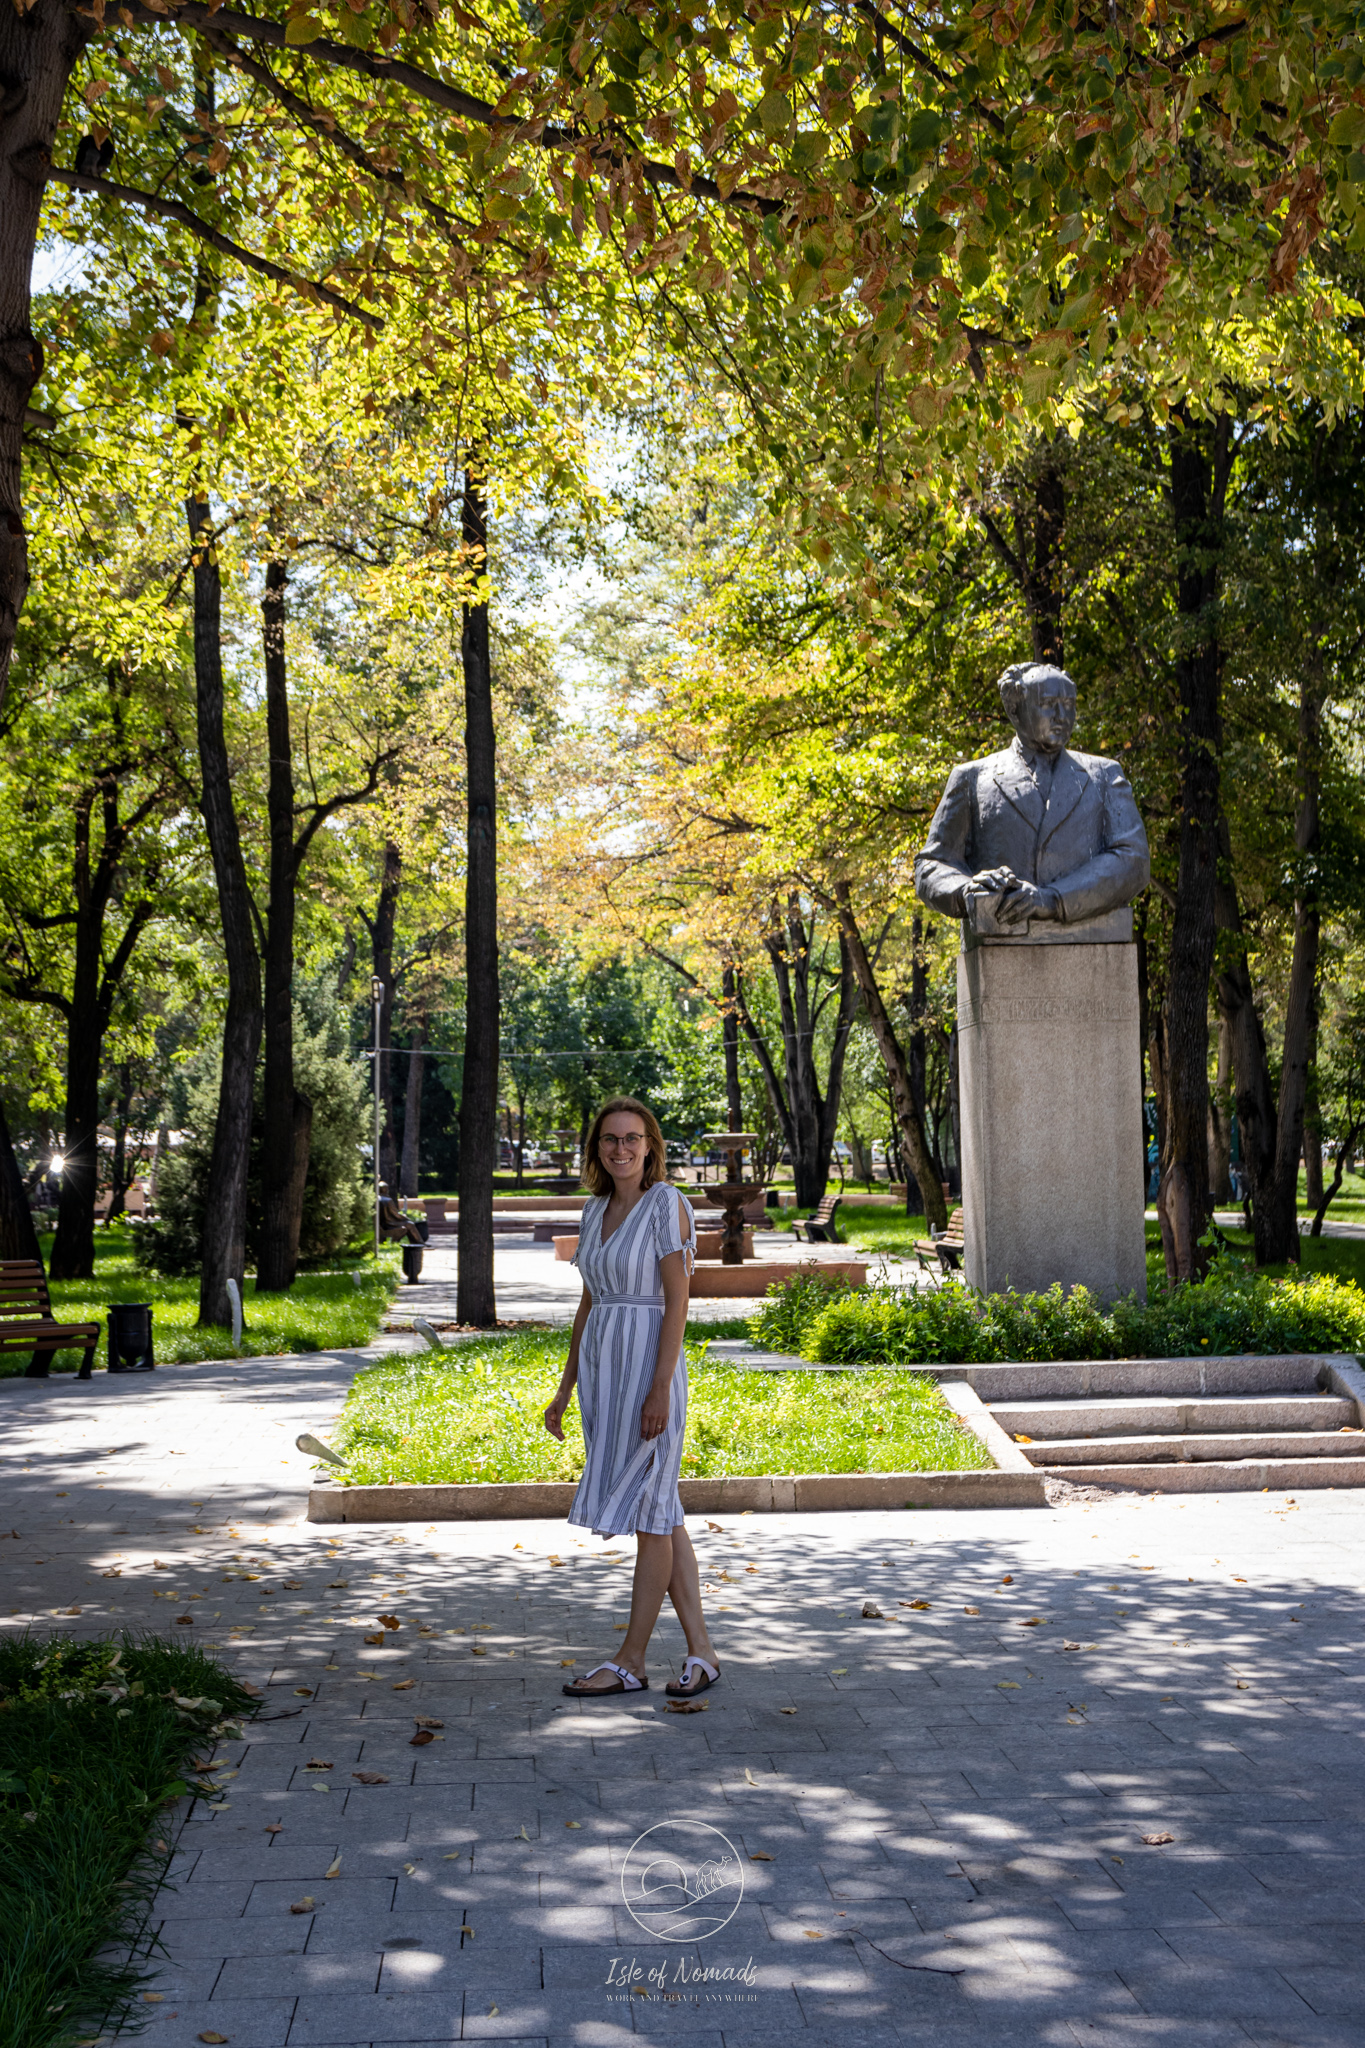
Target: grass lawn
x=322, y=1311
x=94, y=1738
x=475, y=1414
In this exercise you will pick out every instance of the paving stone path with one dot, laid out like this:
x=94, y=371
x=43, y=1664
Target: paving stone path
x=938, y=1810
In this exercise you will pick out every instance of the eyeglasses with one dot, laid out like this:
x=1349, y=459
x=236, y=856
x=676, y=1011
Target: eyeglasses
x=612, y=1144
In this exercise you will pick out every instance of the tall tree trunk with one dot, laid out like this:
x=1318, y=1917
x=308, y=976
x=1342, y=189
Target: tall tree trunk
x=412, y=1116
x=1049, y=520
x=729, y=1034
x=908, y=1120
x=287, y=1124
x=1278, y=1240
x=1199, y=465
x=381, y=949
x=475, y=1301
x=120, y=1180
x=224, y=1251
x=1220, y=1119
x=39, y=48
x=18, y=1238
x=1237, y=1012
x=73, y=1248
x=1312, y=1128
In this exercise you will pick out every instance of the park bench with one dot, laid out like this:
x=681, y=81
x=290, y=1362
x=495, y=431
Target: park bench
x=945, y=1250
x=28, y=1324
x=819, y=1229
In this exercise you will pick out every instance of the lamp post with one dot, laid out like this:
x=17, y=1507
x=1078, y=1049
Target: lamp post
x=377, y=995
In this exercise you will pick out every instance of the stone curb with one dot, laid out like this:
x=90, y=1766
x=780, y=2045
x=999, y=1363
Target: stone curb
x=817, y=1492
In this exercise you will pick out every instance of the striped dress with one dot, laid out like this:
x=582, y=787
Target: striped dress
x=629, y=1483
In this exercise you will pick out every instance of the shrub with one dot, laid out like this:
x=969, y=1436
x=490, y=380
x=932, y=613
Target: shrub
x=1234, y=1310
x=336, y=1199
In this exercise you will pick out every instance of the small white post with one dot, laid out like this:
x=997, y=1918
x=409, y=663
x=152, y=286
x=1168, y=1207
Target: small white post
x=234, y=1294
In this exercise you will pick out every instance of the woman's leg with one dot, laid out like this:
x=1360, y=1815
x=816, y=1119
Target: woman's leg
x=653, y=1573
x=684, y=1590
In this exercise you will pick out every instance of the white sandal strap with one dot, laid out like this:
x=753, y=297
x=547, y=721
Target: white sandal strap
x=712, y=1670
x=628, y=1678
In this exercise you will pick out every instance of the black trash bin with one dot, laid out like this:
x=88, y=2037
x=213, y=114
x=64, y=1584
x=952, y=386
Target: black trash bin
x=412, y=1263
x=130, y=1337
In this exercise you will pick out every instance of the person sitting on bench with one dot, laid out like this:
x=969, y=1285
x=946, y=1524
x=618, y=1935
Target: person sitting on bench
x=394, y=1220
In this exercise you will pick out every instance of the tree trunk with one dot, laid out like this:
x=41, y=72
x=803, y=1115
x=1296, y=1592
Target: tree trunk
x=288, y=1116
x=1220, y=1120
x=1312, y=1128
x=412, y=1117
x=1199, y=465
x=475, y=1302
x=120, y=1180
x=908, y=1121
x=729, y=1033
x=1277, y=1241
x=38, y=51
x=224, y=1254
x=1045, y=596
x=73, y=1248
x=18, y=1238
x=381, y=949
x=1255, y=1096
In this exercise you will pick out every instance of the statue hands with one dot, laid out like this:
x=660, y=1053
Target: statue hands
x=1019, y=900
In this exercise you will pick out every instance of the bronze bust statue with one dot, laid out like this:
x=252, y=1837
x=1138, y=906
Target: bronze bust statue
x=1036, y=842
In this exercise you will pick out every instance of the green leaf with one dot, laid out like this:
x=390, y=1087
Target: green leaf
x=1348, y=128
x=304, y=28
x=621, y=99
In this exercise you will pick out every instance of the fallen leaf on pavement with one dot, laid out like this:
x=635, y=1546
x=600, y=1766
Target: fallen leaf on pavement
x=914, y=1603
x=427, y=1721
x=1006, y=1685
x=477, y=1650
x=871, y=1611
x=337, y=1585
x=318, y=1763
x=275, y=1828
x=687, y=1706
x=421, y=1738
x=1034, y=1621
x=304, y=1905
x=555, y=1560
x=1243, y=1685
x=493, y=2011
x=152, y=1997
x=1008, y=1579
x=303, y=1692
x=521, y=1835
x=566, y=1662
x=751, y=1567
x=405, y=1685
x=573, y=1823
x=760, y=1856
x=215, y=2040
x=786, y=1710
x=840, y=1671
x=716, y=1528
x=390, y=1620
x=181, y=1620
x=370, y=1777
x=1023, y=1439
x=333, y=1869
x=376, y=1638
x=812, y=1934
x=410, y=1868
x=1155, y=1841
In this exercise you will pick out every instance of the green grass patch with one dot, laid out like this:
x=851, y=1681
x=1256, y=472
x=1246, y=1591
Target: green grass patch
x=94, y=1738
x=869, y=1227
x=325, y=1311
x=475, y=1414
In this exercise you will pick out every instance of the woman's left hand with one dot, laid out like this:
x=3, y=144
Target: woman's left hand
x=654, y=1414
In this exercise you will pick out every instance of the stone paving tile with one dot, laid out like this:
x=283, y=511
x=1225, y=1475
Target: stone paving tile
x=911, y=1805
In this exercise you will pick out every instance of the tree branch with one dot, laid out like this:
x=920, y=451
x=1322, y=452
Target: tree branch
x=172, y=209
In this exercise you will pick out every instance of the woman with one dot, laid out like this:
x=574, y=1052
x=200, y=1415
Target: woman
x=635, y=1250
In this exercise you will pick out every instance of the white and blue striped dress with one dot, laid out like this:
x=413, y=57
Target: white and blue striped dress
x=629, y=1484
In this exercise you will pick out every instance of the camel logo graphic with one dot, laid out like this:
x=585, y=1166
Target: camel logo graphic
x=682, y=1880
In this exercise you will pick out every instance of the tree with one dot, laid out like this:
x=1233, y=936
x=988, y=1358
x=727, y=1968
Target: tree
x=475, y=1299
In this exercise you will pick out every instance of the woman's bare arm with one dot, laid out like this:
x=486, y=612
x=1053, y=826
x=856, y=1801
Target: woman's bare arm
x=554, y=1414
x=677, y=1284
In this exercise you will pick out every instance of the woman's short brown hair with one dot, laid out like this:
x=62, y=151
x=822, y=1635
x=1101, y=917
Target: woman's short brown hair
x=595, y=1176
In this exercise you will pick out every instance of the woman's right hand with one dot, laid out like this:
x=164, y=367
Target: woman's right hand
x=554, y=1416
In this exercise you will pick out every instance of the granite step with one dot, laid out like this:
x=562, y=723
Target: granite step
x=1082, y=1451
x=1217, y=1475
x=1174, y=1415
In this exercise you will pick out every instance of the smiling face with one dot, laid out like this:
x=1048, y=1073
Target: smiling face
x=623, y=1147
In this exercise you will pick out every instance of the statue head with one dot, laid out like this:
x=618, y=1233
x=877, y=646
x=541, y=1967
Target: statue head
x=1040, y=703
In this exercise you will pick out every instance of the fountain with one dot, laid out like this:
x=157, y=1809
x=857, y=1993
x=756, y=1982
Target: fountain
x=732, y=1193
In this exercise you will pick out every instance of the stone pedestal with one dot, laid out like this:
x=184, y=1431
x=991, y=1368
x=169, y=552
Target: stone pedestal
x=1051, y=1117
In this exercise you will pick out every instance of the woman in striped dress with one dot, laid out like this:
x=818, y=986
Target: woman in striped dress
x=635, y=1250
